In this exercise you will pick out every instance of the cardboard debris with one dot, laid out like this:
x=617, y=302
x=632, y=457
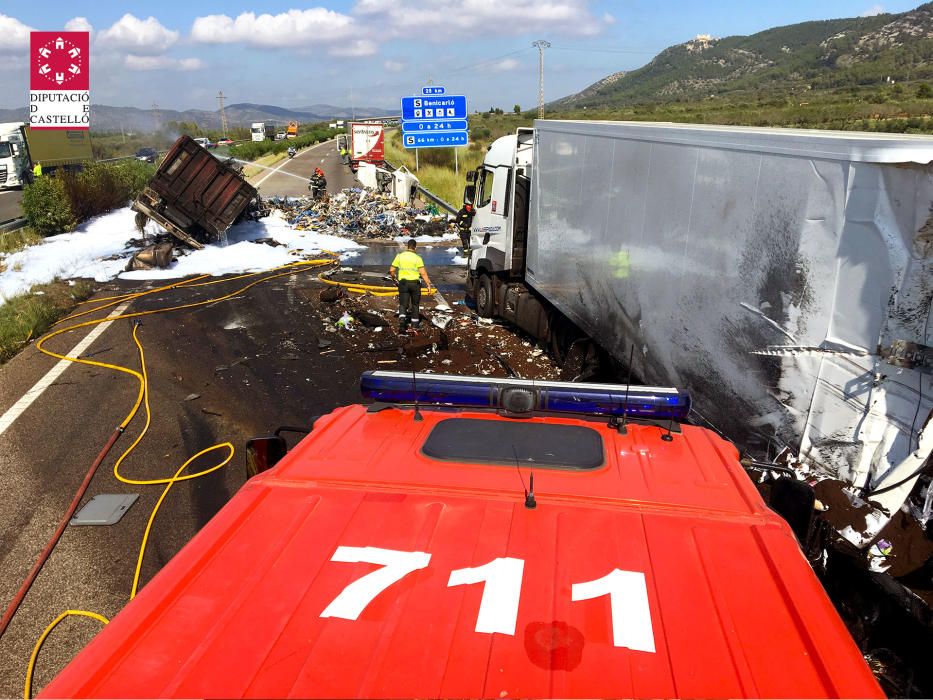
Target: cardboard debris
x=361, y=215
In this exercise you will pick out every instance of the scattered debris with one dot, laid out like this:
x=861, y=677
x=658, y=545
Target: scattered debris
x=362, y=215
x=192, y=397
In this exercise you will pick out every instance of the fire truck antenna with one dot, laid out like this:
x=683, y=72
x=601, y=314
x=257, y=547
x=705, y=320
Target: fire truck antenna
x=414, y=386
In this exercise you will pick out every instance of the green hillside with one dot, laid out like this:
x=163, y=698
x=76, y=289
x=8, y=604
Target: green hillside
x=792, y=60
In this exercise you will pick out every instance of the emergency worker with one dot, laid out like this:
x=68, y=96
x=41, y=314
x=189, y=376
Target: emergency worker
x=318, y=183
x=37, y=170
x=405, y=271
x=464, y=225
x=343, y=156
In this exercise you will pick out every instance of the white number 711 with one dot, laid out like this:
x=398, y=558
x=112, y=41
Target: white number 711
x=502, y=578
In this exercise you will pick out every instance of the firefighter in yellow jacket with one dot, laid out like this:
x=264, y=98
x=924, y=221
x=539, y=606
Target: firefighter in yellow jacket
x=406, y=270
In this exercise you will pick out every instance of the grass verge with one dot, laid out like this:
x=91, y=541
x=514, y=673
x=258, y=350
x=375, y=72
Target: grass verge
x=256, y=166
x=28, y=316
x=12, y=241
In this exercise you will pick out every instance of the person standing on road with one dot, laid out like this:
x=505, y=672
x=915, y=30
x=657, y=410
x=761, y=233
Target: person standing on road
x=465, y=225
x=405, y=271
x=37, y=170
x=343, y=156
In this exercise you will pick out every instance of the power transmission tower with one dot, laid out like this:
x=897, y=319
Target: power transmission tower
x=541, y=45
x=158, y=116
x=223, y=115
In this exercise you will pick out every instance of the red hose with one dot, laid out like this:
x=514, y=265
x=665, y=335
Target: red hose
x=43, y=557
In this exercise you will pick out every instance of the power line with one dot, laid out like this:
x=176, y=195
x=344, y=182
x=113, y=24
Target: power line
x=592, y=50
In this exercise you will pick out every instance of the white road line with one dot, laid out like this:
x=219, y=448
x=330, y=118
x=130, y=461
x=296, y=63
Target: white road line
x=285, y=162
x=16, y=410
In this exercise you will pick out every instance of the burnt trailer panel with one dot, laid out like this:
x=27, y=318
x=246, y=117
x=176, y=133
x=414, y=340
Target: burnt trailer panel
x=773, y=272
x=194, y=195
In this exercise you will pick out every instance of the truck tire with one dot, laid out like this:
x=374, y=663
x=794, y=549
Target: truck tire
x=485, y=302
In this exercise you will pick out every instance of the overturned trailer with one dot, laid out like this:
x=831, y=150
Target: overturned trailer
x=194, y=196
x=783, y=276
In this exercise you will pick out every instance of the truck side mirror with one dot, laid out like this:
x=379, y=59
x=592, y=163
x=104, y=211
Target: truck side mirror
x=263, y=453
x=469, y=194
x=471, y=176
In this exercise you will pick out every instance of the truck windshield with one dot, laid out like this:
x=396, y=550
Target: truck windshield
x=5, y=151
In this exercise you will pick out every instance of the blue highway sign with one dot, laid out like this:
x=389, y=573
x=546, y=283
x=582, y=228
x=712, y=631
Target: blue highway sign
x=443, y=107
x=435, y=139
x=419, y=126
x=432, y=90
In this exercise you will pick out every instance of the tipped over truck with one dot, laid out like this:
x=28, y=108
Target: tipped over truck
x=193, y=195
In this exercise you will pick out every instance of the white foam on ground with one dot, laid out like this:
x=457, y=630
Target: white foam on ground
x=424, y=238
x=459, y=260
x=242, y=255
x=82, y=253
x=76, y=254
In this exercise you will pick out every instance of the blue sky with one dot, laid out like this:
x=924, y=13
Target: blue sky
x=370, y=52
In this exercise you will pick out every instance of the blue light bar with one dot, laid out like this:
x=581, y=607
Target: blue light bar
x=526, y=396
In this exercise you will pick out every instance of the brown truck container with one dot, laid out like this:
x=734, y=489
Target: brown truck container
x=194, y=196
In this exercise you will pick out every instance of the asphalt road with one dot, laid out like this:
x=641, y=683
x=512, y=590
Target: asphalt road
x=9, y=204
x=290, y=176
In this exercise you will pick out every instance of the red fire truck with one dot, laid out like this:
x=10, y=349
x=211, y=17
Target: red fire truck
x=485, y=538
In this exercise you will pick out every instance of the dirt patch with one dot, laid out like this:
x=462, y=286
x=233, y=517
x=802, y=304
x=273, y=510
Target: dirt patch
x=466, y=345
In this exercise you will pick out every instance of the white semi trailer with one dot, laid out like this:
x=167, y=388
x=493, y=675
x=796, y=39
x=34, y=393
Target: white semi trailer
x=783, y=276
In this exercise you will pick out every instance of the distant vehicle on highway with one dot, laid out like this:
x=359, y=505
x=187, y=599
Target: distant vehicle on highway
x=292, y=131
x=225, y=142
x=260, y=131
x=205, y=142
x=280, y=136
x=147, y=154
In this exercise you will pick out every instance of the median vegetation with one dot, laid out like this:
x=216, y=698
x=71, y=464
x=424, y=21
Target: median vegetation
x=28, y=316
x=253, y=150
x=57, y=203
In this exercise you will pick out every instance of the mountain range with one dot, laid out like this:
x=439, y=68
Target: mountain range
x=830, y=54
x=107, y=118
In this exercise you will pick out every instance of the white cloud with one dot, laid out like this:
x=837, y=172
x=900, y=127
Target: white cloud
x=517, y=17
x=162, y=63
x=14, y=35
x=78, y=24
x=873, y=11
x=394, y=66
x=355, y=49
x=295, y=28
x=140, y=36
x=608, y=19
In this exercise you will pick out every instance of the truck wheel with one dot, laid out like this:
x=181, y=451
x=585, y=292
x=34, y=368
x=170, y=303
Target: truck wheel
x=484, y=298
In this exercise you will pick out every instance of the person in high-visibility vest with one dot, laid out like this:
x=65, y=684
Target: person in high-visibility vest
x=37, y=170
x=405, y=271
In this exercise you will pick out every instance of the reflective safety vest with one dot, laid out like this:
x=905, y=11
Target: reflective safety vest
x=37, y=170
x=408, y=264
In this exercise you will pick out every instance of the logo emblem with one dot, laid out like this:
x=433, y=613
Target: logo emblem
x=59, y=60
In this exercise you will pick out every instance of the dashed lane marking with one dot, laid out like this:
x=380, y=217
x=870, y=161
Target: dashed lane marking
x=17, y=409
x=285, y=162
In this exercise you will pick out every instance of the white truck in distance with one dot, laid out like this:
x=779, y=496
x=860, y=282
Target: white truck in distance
x=260, y=131
x=784, y=277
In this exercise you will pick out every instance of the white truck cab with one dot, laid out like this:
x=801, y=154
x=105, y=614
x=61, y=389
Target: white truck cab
x=14, y=163
x=498, y=191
